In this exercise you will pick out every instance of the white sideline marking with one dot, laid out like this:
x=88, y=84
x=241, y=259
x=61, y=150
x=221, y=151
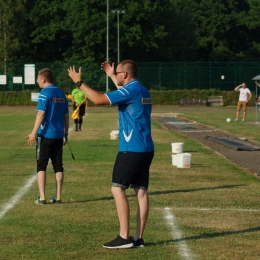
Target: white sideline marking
x=10, y=204
x=184, y=250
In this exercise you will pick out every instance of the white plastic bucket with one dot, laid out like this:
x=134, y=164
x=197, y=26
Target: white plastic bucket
x=183, y=160
x=174, y=159
x=114, y=135
x=177, y=147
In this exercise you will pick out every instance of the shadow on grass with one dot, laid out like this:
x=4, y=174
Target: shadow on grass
x=208, y=235
x=156, y=193
x=195, y=190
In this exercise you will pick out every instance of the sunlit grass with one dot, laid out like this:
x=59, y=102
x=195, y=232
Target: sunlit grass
x=215, y=204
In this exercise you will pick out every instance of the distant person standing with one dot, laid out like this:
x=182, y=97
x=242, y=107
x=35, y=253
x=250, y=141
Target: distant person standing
x=79, y=100
x=244, y=96
x=50, y=127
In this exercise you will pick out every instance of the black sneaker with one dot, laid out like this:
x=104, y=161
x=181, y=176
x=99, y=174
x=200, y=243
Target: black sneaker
x=119, y=242
x=139, y=242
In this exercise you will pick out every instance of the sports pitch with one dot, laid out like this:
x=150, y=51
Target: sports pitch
x=209, y=211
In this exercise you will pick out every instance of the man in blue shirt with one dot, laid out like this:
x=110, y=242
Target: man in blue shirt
x=136, y=149
x=50, y=127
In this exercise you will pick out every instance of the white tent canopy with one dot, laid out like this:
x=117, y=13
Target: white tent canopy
x=256, y=78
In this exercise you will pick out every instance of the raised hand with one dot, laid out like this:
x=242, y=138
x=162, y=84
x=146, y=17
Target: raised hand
x=107, y=68
x=74, y=75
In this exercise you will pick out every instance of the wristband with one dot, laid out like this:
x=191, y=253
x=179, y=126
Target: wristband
x=79, y=83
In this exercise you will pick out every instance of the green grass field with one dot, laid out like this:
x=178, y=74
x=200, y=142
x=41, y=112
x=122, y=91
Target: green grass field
x=210, y=211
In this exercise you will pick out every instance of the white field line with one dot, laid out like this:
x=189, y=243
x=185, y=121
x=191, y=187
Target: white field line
x=184, y=251
x=11, y=203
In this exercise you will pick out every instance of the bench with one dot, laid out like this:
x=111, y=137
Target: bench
x=192, y=101
x=215, y=101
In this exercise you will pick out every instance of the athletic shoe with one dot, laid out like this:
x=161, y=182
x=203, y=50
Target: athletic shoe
x=119, y=242
x=39, y=201
x=243, y=119
x=54, y=200
x=236, y=119
x=139, y=242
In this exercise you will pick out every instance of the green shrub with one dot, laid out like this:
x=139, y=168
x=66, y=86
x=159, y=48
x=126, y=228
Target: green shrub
x=170, y=97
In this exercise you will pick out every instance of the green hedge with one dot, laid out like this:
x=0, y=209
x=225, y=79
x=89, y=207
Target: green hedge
x=170, y=98
x=16, y=99
x=173, y=97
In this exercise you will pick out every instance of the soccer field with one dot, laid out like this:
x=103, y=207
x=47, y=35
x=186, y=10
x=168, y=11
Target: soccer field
x=209, y=211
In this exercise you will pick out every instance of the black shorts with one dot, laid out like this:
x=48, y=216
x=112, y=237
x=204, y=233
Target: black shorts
x=132, y=169
x=82, y=109
x=49, y=149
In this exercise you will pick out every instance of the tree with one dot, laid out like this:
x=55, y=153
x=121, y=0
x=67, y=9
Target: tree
x=12, y=31
x=150, y=30
x=77, y=31
x=155, y=31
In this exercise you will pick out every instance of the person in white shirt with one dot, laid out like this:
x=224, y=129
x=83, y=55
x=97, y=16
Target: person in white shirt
x=244, y=96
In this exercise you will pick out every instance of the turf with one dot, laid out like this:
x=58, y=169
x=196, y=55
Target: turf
x=210, y=211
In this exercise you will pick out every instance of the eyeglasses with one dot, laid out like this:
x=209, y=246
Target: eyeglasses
x=118, y=72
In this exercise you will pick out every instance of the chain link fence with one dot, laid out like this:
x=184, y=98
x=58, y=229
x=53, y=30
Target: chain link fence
x=154, y=75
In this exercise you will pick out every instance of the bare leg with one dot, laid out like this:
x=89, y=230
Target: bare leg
x=237, y=114
x=123, y=210
x=143, y=211
x=244, y=114
x=59, y=181
x=41, y=178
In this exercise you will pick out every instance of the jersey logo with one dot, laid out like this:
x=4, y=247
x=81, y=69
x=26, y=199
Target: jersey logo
x=127, y=138
x=59, y=100
x=146, y=101
x=43, y=126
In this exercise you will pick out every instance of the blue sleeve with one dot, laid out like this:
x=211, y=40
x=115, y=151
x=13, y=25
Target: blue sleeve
x=42, y=101
x=121, y=96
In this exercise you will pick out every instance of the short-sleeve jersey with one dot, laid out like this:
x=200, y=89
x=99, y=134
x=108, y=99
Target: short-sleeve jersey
x=134, y=112
x=54, y=103
x=78, y=95
x=243, y=96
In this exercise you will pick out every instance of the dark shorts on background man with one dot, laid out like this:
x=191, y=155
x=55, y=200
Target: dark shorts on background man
x=132, y=169
x=49, y=149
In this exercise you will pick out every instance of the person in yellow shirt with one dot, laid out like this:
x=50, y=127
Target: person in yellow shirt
x=79, y=99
